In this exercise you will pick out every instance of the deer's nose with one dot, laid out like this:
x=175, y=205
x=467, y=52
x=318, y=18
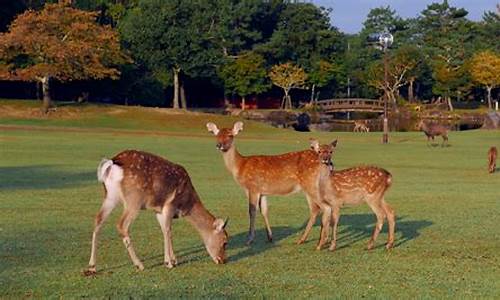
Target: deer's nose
x=218, y=146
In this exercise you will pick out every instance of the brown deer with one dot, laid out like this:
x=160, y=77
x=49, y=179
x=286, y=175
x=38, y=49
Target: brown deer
x=361, y=126
x=354, y=186
x=262, y=175
x=433, y=130
x=492, y=159
x=142, y=180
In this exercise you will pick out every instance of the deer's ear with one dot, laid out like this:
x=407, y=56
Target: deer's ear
x=238, y=126
x=213, y=128
x=219, y=225
x=314, y=144
x=334, y=143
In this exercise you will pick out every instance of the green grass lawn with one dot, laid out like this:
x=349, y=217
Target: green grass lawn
x=447, y=232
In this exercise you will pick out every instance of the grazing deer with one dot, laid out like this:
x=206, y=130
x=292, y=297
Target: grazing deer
x=432, y=130
x=492, y=159
x=354, y=186
x=361, y=126
x=142, y=180
x=263, y=175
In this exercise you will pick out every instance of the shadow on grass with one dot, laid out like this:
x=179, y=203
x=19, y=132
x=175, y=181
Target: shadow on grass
x=236, y=242
x=42, y=177
x=359, y=227
x=260, y=243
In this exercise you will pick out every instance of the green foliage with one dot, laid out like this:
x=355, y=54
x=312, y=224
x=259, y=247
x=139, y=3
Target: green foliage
x=245, y=75
x=303, y=36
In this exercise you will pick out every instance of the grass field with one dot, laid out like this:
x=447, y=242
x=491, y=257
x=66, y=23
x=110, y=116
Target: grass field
x=447, y=232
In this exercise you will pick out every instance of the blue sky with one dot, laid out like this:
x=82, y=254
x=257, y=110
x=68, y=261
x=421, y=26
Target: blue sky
x=348, y=15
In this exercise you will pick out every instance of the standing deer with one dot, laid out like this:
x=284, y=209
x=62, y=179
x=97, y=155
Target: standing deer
x=262, y=175
x=433, y=130
x=354, y=186
x=361, y=126
x=142, y=180
x=492, y=159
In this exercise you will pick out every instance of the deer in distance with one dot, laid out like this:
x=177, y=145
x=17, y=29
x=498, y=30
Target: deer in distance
x=492, y=159
x=354, y=186
x=263, y=175
x=432, y=130
x=140, y=180
x=361, y=126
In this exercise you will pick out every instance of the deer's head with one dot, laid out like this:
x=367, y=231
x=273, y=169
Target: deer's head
x=325, y=151
x=225, y=136
x=216, y=242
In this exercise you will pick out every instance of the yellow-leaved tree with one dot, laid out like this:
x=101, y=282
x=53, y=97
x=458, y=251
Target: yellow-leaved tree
x=288, y=76
x=485, y=70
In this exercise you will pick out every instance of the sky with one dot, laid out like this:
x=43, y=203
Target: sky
x=348, y=15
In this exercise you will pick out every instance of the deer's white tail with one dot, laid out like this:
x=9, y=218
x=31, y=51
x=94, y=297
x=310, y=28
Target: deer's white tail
x=108, y=172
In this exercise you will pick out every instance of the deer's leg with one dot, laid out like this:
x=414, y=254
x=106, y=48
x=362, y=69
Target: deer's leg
x=325, y=226
x=128, y=216
x=264, y=210
x=335, y=222
x=314, y=210
x=165, y=219
x=379, y=212
x=445, y=140
x=391, y=221
x=107, y=207
x=253, y=201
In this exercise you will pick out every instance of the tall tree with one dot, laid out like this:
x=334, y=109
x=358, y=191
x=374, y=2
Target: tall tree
x=303, y=36
x=245, y=75
x=288, y=76
x=59, y=42
x=485, y=70
x=446, y=38
x=172, y=37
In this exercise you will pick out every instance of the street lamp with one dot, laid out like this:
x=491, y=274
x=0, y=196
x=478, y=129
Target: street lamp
x=383, y=41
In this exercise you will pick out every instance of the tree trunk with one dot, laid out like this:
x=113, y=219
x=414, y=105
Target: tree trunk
x=243, y=103
x=175, y=101
x=312, y=94
x=450, y=105
x=183, y=96
x=490, y=106
x=47, y=102
x=411, y=98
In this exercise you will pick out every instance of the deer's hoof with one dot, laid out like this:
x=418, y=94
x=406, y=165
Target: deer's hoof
x=389, y=246
x=318, y=248
x=249, y=241
x=370, y=246
x=299, y=242
x=140, y=267
x=332, y=247
x=170, y=264
x=90, y=271
x=270, y=239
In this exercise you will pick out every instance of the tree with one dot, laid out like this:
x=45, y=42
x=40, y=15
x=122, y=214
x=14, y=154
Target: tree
x=303, y=36
x=321, y=74
x=399, y=65
x=176, y=37
x=59, y=42
x=447, y=38
x=485, y=70
x=288, y=76
x=245, y=75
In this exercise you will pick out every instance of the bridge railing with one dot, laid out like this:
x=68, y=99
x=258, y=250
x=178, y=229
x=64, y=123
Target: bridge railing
x=351, y=103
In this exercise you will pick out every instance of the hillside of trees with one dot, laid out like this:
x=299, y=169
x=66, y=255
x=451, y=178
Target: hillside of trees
x=268, y=53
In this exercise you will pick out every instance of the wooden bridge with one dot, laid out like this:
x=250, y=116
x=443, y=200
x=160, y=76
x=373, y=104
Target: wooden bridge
x=351, y=104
